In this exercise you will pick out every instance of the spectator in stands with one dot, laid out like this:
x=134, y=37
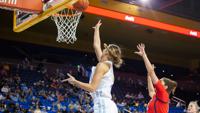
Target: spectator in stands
x=2, y=97
x=5, y=89
x=4, y=70
x=128, y=95
x=26, y=64
x=159, y=90
x=71, y=106
x=140, y=95
x=37, y=110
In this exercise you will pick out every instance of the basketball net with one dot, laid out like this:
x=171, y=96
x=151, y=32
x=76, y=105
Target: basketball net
x=67, y=21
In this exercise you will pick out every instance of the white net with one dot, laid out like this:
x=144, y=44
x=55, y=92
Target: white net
x=67, y=21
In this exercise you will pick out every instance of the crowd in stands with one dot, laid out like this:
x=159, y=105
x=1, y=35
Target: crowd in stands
x=29, y=88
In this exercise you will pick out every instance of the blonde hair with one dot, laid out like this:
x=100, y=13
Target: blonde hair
x=196, y=105
x=115, y=54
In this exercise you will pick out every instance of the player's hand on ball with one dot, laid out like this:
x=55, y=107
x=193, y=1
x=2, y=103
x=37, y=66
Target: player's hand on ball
x=98, y=25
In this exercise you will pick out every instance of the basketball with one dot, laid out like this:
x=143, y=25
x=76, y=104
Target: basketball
x=81, y=5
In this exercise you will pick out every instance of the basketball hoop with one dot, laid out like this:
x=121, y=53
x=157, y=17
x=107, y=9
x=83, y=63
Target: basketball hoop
x=67, y=21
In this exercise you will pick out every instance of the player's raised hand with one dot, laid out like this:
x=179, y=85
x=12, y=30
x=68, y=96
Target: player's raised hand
x=141, y=49
x=98, y=25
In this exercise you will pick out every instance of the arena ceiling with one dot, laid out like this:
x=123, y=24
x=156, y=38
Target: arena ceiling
x=184, y=8
x=162, y=46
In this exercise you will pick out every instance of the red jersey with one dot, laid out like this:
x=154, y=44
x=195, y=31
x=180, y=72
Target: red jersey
x=160, y=101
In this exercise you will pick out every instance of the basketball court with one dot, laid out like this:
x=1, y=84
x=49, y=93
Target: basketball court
x=171, y=38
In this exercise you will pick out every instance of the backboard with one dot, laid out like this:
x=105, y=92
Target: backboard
x=24, y=20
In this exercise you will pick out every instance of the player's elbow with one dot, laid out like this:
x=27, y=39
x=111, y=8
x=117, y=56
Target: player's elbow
x=151, y=94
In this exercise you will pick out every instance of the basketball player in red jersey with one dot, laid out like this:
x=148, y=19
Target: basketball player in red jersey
x=159, y=90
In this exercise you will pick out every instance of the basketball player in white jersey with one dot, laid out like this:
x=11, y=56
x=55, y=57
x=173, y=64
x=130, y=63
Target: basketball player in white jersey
x=102, y=77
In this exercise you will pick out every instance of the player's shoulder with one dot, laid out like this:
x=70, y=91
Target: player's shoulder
x=104, y=65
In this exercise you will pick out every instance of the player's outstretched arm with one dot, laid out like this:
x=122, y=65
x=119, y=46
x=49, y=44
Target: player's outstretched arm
x=97, y=40
x=141, y=52
x=151, y=89
x=101, y=69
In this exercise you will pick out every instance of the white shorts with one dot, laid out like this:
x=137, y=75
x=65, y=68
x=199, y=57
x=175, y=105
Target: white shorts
x=104, y=105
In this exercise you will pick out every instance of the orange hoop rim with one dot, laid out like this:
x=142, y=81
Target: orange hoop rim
x=67, y=15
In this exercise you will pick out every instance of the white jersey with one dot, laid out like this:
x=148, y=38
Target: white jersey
x=106, y=83
x=102, y=96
